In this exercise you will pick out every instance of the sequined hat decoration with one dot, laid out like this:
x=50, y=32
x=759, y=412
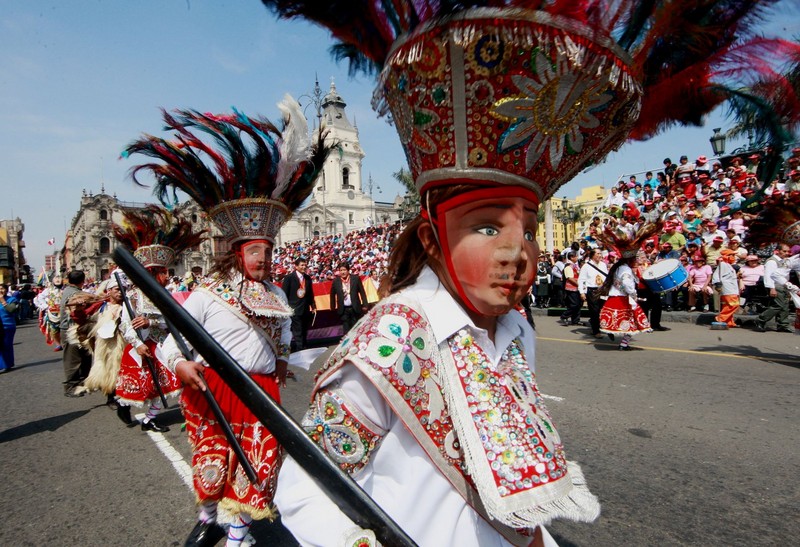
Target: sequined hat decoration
x=155, y=256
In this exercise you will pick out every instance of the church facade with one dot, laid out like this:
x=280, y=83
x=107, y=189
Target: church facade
x=342, y=198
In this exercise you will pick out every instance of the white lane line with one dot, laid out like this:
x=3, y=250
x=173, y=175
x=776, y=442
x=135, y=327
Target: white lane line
x=552, y=398
x=184, y=469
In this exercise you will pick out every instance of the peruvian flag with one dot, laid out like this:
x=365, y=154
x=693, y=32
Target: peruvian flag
x=51, y=241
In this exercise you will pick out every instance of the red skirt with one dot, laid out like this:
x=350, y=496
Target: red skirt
x=135, y=383
x=216, y=472
x=618, y=317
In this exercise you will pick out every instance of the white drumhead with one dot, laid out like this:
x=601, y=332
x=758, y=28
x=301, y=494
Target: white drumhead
x=660, y=269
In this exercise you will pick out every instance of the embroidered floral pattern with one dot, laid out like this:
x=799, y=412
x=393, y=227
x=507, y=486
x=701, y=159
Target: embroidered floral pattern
x=340, y=433
x=380, y=338
x=259, y=305
x=360, y=538
x=250, y=219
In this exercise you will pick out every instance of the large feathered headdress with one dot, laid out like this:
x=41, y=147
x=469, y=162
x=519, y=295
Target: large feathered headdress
x=156, y=236
x=628, y=247
x=249, y=176
x=528, y=93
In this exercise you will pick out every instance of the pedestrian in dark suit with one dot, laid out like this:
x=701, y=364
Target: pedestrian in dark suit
x=299, y=291
x=348, y=297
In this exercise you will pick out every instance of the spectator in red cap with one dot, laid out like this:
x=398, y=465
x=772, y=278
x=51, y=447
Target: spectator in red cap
x=710, y=209
x=711, y=231
x=650, y=213
x=752, y=164
x=721, y=178
x=714, y=251
x=676, y=240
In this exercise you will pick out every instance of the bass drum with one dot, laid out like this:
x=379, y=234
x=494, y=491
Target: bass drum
x=665, y=276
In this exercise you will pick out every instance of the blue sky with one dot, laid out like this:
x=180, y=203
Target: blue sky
x=81, y=79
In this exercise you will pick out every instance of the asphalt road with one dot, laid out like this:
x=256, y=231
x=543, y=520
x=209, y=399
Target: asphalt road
x=689, y=439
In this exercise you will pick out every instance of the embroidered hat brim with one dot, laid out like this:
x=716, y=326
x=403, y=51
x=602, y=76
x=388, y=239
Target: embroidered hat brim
x=155, y=256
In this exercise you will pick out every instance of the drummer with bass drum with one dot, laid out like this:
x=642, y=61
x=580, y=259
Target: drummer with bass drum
x=667, y=294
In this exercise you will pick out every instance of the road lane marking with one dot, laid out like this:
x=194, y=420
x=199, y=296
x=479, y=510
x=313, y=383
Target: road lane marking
x=674, y=350
x=184, y=469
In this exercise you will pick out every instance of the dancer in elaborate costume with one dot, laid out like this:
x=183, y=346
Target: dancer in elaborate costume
x=262, y=175
x=156, y=237
x=431, y=402
x=48, y=302
x=108, y=345
x=621, y=313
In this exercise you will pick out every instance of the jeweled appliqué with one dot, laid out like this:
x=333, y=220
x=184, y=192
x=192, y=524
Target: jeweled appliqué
x=396, y=347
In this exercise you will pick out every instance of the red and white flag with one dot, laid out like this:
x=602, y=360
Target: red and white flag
x=51, y=241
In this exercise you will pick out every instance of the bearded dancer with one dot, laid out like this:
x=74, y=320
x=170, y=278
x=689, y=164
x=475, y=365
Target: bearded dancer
x=237, y=305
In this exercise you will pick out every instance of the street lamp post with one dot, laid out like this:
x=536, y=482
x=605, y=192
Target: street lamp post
x=564, y=216
x=316, y=99
x=717, y=141
x=370, y=185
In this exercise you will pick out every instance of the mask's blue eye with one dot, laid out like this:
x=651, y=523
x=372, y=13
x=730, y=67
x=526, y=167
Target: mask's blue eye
x=489, y=231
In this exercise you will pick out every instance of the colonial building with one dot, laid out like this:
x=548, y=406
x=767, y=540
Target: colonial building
x=342, y=198
x=570, y=217
x=90, y=240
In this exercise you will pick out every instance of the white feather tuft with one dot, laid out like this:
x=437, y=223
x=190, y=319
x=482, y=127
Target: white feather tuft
x=295, y=146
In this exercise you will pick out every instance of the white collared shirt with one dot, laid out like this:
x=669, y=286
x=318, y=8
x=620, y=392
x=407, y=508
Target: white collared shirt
x=400, y=476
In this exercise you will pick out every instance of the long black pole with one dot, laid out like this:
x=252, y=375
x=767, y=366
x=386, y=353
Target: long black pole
x=217, y=411
x=151, y=366
x=339, y=487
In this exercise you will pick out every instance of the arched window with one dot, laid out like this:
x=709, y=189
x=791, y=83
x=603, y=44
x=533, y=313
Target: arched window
x=194, y=218
x=105, y=245
x=346, y=178
x=103, y=214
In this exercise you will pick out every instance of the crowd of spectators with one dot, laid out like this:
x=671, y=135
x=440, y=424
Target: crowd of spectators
x=706, y=208
x=366, y=250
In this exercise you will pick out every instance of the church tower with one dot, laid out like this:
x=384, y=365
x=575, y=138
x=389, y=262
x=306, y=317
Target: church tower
x=340, y=203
